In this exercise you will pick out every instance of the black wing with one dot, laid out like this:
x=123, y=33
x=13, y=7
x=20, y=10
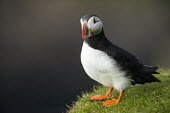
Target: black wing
x=126, y=60
x=139, y=72
x=136, y=70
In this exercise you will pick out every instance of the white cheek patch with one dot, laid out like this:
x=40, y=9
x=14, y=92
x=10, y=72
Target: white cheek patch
x=97, y=27
x=90, y=23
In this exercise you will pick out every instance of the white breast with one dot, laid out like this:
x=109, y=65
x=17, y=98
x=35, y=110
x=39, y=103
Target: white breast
x=100, y=67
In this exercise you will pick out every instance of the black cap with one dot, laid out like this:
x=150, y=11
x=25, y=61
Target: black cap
x=87, y=17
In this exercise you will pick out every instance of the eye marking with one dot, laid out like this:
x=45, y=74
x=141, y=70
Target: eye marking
x=95, y=21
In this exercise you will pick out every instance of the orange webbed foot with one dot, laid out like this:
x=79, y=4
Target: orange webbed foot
x=110, y=102
x=101, y=97
x=98, y=97
x=113, y=101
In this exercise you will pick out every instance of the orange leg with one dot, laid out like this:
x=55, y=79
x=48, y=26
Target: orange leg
x=101, y=97
x=113, y=101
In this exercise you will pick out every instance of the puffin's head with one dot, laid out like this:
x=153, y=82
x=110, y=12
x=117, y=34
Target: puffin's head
x=90, y=25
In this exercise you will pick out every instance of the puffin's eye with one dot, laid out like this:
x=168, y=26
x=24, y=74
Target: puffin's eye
x=94, y=21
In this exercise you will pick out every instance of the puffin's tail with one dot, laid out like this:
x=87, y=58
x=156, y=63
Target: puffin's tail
x=149, y=70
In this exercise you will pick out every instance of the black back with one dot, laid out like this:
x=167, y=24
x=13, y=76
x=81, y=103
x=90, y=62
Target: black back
x=125, y=60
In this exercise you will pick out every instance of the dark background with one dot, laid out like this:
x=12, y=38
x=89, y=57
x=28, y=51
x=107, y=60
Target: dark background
x=41, y=43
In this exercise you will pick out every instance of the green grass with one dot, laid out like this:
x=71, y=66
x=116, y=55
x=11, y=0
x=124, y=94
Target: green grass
x=149, y=98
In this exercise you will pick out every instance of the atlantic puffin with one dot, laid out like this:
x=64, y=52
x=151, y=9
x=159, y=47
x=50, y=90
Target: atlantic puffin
x=109, y=64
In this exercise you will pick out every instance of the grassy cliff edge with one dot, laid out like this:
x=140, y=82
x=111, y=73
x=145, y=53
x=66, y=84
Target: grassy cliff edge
x=149, y=98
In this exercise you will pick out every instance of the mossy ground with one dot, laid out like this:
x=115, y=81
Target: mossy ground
x=148, y=98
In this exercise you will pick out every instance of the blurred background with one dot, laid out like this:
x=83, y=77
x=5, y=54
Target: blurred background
x=41, y=43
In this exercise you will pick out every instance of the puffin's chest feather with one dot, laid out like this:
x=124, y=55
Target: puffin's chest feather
x=97, y=60
x=100, y=67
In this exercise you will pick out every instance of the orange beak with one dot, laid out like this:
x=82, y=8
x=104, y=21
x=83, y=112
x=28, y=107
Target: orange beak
x=84, y=30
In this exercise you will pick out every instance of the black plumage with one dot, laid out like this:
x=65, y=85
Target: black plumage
x=134, y=68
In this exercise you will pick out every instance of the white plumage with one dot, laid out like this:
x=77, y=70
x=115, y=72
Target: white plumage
x=100, y=67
